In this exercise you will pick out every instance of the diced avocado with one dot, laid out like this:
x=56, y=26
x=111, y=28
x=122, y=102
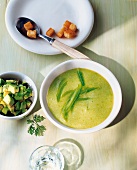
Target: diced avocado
x=17, y=106
x=1, y=89
x=12, y=81
x=5, y=93
x=5, y=110
x=3, y=103
x=22, y=88
x=17, y=112
x=18, y=96
x=23, y=105
x=1, y=107
x=14, y=113
x=28, y=103
x=1, y=96
x=26, y=96
x=8, y=100
x=29, y=90
x=11, y=108
x=28, y=93
x=2, y=82
x=24, y=110
x=14, y=96
x=5, y=87
x=13, y=88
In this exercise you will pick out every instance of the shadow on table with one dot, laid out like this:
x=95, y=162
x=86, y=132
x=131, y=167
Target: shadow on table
x=109, y=15
x=134, y=167
x=72, y=151
x=124, y=78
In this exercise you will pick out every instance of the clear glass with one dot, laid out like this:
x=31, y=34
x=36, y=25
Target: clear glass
x=73, y=153
x=46, y=158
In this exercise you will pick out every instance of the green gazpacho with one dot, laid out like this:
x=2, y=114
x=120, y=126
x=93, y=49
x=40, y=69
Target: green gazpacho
x=80, y=98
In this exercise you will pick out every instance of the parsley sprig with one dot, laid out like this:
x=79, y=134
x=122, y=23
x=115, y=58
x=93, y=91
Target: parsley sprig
x=35, y=128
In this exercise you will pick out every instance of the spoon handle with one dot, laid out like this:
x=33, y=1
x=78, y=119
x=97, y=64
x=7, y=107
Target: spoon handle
x=68, y=50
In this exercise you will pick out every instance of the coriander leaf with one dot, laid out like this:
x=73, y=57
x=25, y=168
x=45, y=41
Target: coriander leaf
x=40, y=130
x=35, y=128
x=38, y=118
x=31, y=129
x=37, y=133
x=30, y=121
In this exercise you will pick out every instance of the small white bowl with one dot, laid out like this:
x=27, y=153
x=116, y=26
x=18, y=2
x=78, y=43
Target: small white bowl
x=91, y=65
x=21, y=77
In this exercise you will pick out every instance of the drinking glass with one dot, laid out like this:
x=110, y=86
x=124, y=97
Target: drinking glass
x=46, y=158
x=72, y=151
x=66, y=154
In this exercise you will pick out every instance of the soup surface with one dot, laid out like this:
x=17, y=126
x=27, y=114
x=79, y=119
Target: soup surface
x=80, y=98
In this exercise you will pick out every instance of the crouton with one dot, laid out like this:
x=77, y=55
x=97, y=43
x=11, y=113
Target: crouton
x=66, y=24
x=69, y=33
x=72, y=27
x=61, y=32
x=50, y=32
x=28, y=26
x=32, y=33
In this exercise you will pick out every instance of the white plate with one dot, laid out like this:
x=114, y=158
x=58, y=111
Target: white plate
x=50, y=13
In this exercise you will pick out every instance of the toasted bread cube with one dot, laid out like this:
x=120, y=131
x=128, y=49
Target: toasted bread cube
x=69, y=33
x=61, y=33
x=66, y=24
x=32, y=33
x=72, y=27
x=50, y=32
x=28, y=26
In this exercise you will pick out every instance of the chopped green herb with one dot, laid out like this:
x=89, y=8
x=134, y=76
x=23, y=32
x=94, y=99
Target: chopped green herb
x=72, y=95
x=40, y=130
x=62, y=84
x=67, y=92
x=31, y=129
x=69, y=105
x=38, y=118
x=81, y=78
x=88, y=89
x=82, y=99
x=64, y=110
x=34, y=127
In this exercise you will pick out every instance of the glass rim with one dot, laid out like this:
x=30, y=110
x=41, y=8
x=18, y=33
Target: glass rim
x=52, y=147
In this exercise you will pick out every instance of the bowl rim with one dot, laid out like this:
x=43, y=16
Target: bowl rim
x=108, y=75
x=31, y=84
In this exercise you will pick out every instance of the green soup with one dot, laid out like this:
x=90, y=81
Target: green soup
x=80, y=98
